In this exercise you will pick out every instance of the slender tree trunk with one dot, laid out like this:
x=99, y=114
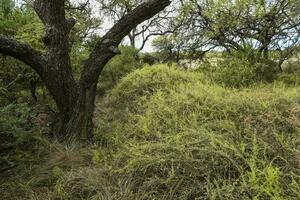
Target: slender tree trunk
x=132, y=38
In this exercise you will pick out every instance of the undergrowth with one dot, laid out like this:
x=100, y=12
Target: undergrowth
x=179, y=137
x=164, y=134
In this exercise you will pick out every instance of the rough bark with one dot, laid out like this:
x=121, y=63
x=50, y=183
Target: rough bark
x=75, y=100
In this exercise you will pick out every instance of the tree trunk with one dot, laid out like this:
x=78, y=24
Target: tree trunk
x=78, y=123
x=132, y=38
x=132, y=41
x=75, y=100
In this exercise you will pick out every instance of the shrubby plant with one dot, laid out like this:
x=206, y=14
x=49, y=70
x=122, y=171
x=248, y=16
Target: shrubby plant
x=149, y=58
x=292, y=80
x=244, y=69
x=118, y=67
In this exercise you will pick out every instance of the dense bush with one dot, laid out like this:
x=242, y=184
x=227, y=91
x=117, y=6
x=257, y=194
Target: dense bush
x=146, y=81
x=292, y=65
x=149, y=58
x=14, y=122
x=242, y=70
x=14, y=133
x=4, y=95
x=118, y=67
x=21, y=126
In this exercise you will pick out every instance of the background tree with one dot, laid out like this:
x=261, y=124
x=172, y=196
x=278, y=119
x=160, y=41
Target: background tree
x=169, y=47
x=263, y=26
x=161, y=24
x=74, y=99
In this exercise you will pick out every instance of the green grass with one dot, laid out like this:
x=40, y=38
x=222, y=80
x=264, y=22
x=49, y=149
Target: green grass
x=165, y=134
x=190, y=139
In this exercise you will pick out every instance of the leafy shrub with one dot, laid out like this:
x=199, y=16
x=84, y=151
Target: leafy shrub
x=242, y=70
x=118, y=67
x=14, y=134
x=19, y=134
x=4, y=95
x=149, y=58
x=236, y=73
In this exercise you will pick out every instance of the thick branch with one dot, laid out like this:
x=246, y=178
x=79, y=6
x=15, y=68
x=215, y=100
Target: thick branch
x=107, y=47
x=22, y=52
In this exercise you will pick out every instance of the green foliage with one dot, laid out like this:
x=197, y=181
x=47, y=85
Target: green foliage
x=23, y=25
x=236, y=73
x=4, y=95
x=21, y=132
x=78, y=55
x=149, y=58
x=168, y=46
x=14, y=123
x=244, y=69
x=240, y=24
x=6, y=7
x=118, y=67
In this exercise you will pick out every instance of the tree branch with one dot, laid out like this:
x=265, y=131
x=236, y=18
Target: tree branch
x=107, y=47
x=22, y=52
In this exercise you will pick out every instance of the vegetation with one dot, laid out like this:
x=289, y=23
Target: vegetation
x=118, y=67
x=213, y=113
x=170, y=134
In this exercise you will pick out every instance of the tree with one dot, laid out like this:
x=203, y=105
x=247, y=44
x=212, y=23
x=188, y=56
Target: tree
x=23, y=24
x=263, y=25
x=169, y=47
x=74, y=99
x=158, y=25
